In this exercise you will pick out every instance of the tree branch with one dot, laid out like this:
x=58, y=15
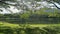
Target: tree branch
x=6, y=3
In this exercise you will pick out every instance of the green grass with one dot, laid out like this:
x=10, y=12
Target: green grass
x=31, y=25
x=6, y=24
x=7, y=28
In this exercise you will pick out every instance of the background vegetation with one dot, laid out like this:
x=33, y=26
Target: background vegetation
x=7, y=28
x=44, y=16
x=38, y=22
x=43, y=21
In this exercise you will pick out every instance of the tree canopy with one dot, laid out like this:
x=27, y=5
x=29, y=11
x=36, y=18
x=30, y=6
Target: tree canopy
x=57, y=1
x=19, y=4
x=6, y=3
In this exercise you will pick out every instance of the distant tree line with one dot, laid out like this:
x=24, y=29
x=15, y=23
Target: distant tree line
x=29, y=17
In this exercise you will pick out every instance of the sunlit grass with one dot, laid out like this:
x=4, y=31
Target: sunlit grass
x=6, y=24
x=14, y=28
x=43, y=25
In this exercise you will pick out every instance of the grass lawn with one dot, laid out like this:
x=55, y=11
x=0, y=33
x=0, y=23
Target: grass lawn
x=6, y=28
x=31, y=25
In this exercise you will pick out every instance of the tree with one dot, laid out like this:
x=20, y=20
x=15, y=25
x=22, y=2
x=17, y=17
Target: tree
x=18, y=4
x=55, y=2
x=52, y=1
x=21, y=4
x=7, y=3
x=58, y=1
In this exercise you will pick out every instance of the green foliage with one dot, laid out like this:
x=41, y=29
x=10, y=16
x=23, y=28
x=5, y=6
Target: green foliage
x=25, y=15
x=13, y=29
x=44, y=15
